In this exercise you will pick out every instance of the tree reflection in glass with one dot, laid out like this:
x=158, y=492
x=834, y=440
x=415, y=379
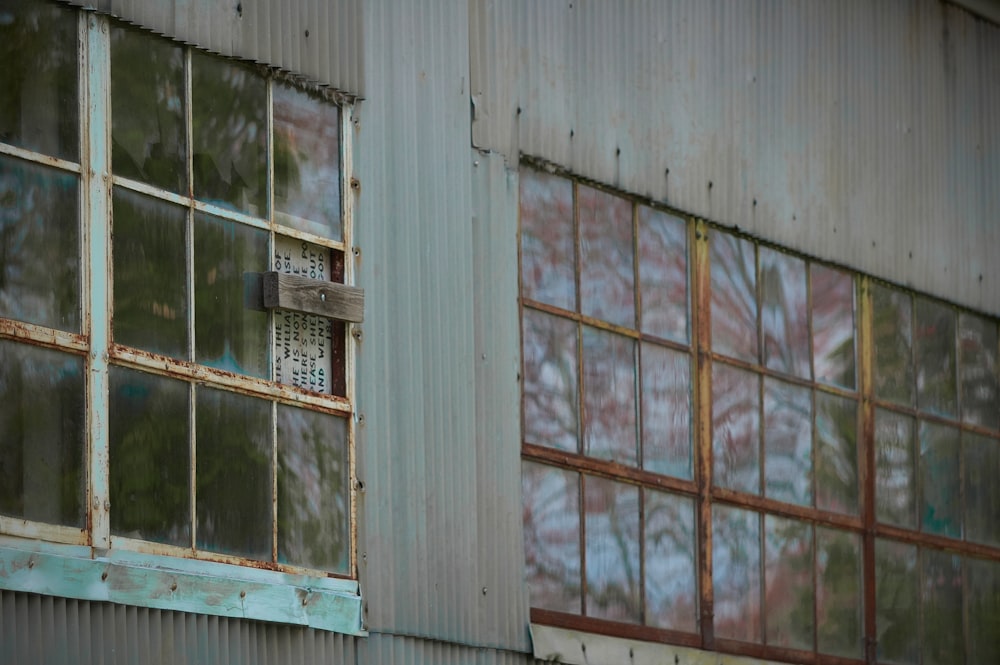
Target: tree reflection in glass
x=609, y=407
x=897, y=602
x=551, y=518
x=982, y=491
x=227, y=334
x=788, y=462
x=548, y=249
x=943, y=639
x=895, y=475
x=39, y=245
x=937, y=391
x=150, y=274
x=836, y=454
x=551, y=394
x=940, y=480
x=314, y=525
x=39, y=107
x=150, y=463
x=663, y=274
x=736, y=573
x=833, y=326
x=671, y=577
x=611, y=513
x=838, y=593
x=893, y=337
x=983, y=610
x=148, y=134
x=607, y=273
x=306, y=162
x=788, y=575
x=229, y=115
x=734, y=296
x=42, y=434
x=979, y=371
x=666, y=411
x=784, y=314
x=233, y=473
x=736, y=429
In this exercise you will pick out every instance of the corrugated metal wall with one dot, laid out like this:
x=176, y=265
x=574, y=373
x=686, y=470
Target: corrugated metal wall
x=319, y=39
x=865, y=133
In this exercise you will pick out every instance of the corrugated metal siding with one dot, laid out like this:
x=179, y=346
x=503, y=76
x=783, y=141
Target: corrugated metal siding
x=56, y=631
x=398, y=650
x=273, y=33
x=863, y=133
x=440, y=515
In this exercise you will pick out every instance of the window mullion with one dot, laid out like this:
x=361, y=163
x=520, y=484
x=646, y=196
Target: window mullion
x=867, y=472
x=96, y=176
x=702, y=344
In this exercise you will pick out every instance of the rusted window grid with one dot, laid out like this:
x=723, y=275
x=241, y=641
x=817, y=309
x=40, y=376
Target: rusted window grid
x=864, y=524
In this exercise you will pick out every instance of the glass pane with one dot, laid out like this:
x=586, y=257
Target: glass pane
x=552, y=537
x=229, y=112
x=614, y=587
x=551, y=393
x=666, y=411
x=838, y=593
x=897, y=608
x=150, y=274
x=233, y=473
x=306, y=162
x=736, y=429
x=609, y=429
x=734, y=296
x=39, y=244
x=941, y=579
x=228, y=334
x=314, y=516
x=982, y=491
x=150, y=467
x=663, y=274
x=788, y=546
x=940, y=481
x=833, y=326
x=788, y=462
x=893, y=332
x=304, y=343
x=736, y=573
x=937, y=391
x=984, y=610
x=836, y=454
x=39, y=109
x=148, y=136
x=671, y=577
x=548, y=251
x=607, y=266
x=43, y=428
x=784, y=315
x=979, y=371
x=895, y=477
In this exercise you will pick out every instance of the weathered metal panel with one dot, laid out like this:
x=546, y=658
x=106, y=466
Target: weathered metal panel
x=318, y=39
x=862, y=133
x=425, y=555
x=57, y=631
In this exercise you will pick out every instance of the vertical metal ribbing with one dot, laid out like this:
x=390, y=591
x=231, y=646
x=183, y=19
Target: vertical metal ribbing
x=96, y=176
x=701, y=336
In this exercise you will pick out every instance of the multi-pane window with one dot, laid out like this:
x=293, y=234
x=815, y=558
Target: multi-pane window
x=148, y=399
x=730, y=446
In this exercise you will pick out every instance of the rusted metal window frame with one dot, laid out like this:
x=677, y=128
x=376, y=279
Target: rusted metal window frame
x=90, y=562
x=864, y=524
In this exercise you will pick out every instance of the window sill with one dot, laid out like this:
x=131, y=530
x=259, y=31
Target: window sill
x=185, y=585
x=575, y=647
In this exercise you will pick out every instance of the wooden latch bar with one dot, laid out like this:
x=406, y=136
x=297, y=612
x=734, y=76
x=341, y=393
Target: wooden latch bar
x=313, y=296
